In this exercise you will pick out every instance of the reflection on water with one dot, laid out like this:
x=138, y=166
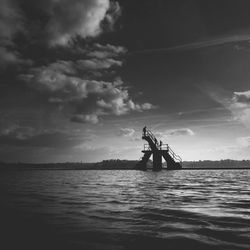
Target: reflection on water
x=198, y=209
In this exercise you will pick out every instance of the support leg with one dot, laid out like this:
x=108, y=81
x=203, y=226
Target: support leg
x=142, y=165
x=157, y=161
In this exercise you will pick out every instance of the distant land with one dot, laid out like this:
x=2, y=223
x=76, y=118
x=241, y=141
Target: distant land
x=123, y=165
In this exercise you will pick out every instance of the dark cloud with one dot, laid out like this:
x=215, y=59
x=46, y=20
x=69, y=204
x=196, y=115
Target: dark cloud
x=57, y=22
x=70, y=19
x=113, y=13
x=97, y=64
x=99, y=61
x=88, y=98
x=29, y=137
x=9, y=57
x=52, y=23
x=12, y=57
x=11, y=21
x=103, y=51
x=75, y=85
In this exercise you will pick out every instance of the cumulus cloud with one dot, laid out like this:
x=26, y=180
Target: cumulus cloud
x=244, y=141
x=70, y=19
x=241, y=97
x=103, y=51
x=59, y=22
x=147, y=106
x=113, y=13
x=90, y=98
x=97, y=64
x=92, y=118
x=99, y=61
x=180, y=131
x=74, y=86
x=85, y=87
x=126, y=132
x=63, y=20
x=116, y=100
x=239, y=105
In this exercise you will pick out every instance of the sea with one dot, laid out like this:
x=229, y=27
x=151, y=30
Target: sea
x=125, y=209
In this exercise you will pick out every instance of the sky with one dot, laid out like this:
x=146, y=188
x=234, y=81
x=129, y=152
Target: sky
x=79, y=79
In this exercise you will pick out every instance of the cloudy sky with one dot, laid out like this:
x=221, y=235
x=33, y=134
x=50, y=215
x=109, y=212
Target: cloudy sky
x=80, y=78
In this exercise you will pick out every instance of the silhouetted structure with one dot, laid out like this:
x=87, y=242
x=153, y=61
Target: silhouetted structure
x=158, y=150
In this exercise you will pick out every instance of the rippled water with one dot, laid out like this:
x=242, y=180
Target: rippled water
x=198, y=209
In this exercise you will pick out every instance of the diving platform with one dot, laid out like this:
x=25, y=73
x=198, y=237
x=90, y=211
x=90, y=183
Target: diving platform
x=159, y=151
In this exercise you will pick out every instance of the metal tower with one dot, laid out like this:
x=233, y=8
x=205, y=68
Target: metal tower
x=158, y=150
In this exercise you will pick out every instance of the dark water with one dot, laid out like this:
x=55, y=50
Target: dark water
x=198, y=209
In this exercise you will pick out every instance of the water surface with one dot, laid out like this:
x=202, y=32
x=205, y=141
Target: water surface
x=191, y=209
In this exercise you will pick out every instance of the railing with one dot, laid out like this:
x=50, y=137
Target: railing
x=167, y=148
x=174, y=156
x=160, y=146
x=151, y=136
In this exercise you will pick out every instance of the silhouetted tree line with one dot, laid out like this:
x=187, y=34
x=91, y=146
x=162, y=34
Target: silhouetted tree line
x=120, y=164
x=106, y=164
x=217, y=164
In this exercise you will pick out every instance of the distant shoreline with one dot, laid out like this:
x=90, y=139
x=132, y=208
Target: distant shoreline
x=112, y=169
x=149, y=169
x=126, y=165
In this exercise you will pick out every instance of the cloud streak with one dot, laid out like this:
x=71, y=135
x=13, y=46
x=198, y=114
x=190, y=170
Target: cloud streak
x=238, y=103
x=198, y=45
x=180, y=132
